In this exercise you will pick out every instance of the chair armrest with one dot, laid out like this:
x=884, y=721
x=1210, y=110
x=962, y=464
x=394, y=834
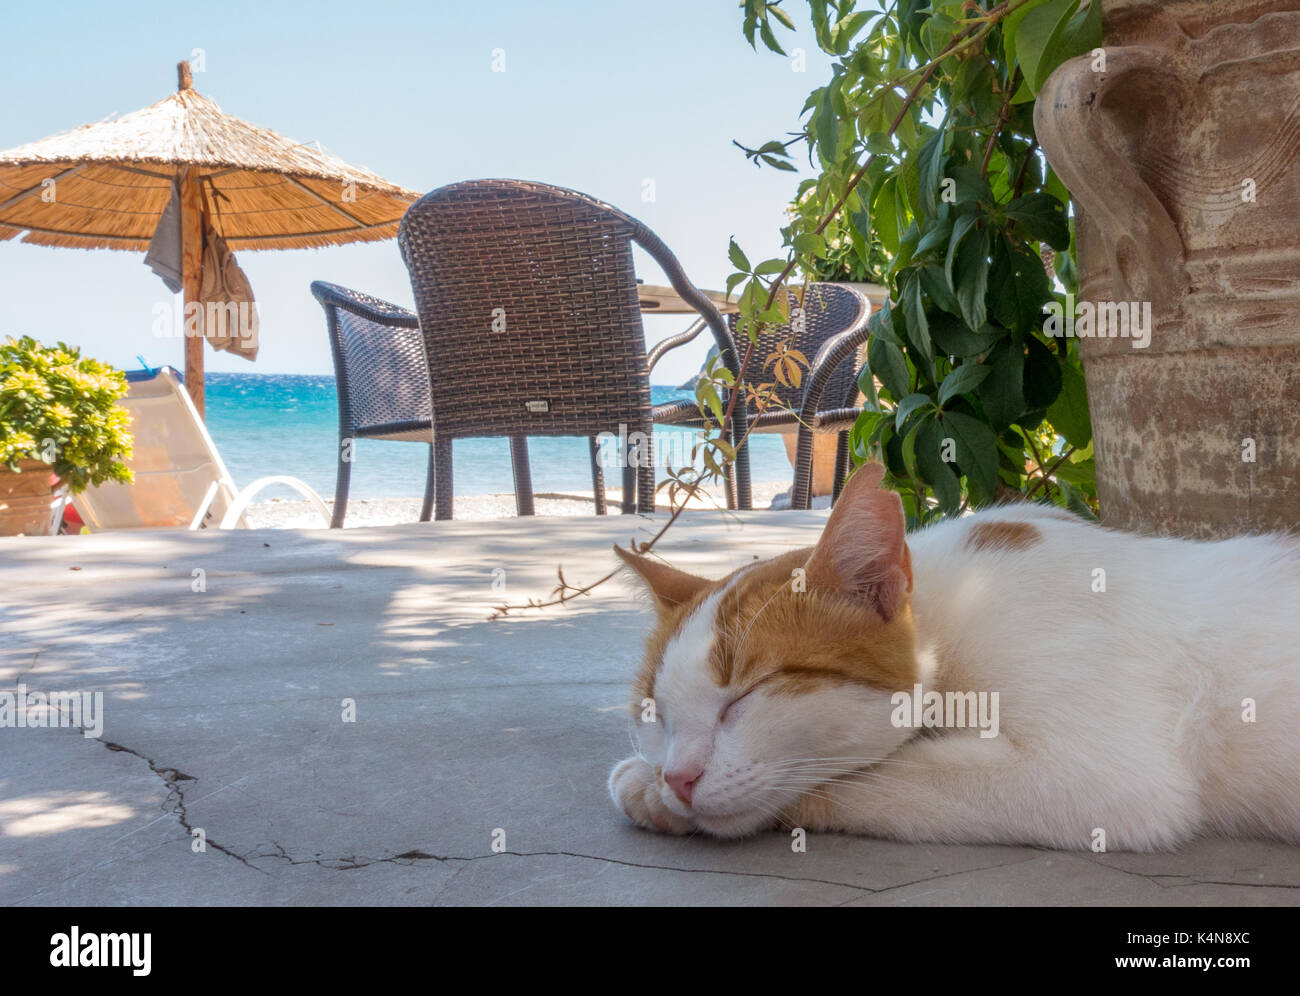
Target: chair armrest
x=372, y=309
x=689, y=293
x=833, y=352
x=673, y=341
x=235, y=513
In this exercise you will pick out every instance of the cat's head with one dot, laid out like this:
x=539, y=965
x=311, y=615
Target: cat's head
x=778, y=677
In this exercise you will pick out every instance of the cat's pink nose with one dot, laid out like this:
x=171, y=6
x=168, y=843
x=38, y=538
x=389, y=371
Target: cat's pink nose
x=682, y=782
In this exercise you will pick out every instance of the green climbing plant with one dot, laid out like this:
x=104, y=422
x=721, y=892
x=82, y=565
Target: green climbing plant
x=930, y=181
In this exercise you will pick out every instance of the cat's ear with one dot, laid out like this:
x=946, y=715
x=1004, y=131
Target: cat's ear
x=863, y=552
x=669, y=586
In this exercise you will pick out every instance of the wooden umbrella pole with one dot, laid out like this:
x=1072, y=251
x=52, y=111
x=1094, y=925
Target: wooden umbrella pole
x=191, y=280
x=191, y=262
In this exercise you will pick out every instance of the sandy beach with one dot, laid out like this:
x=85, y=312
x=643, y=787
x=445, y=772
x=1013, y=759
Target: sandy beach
x=288, y=513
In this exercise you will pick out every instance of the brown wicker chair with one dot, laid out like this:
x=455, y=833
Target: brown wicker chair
x=527, y=301
x=382, y=379
x=834, y=327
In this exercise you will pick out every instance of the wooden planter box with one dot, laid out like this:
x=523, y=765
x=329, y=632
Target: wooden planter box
x=29, y=504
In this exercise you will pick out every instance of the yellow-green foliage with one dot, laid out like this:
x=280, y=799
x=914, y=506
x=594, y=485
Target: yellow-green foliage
x=61, y=408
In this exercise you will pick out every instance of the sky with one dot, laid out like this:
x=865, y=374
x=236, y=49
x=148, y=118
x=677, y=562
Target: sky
x=598, y=96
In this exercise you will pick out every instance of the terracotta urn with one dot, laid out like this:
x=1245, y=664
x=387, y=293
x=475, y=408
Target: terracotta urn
x=1178, y=141
x=31, y=501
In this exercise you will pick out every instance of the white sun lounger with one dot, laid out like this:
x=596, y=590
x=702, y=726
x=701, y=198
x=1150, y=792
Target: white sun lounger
x=180, y=479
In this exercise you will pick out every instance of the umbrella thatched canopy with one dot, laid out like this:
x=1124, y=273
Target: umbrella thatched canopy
x=255, y=188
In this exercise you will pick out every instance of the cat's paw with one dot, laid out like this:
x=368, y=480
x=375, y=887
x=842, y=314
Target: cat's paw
x=634, y=786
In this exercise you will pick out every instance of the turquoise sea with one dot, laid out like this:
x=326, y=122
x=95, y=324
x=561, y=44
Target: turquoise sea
x=288, y=424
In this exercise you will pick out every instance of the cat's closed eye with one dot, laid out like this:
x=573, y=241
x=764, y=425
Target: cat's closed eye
x=733, y=709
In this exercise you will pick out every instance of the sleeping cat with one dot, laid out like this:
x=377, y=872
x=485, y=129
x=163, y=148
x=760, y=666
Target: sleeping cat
x=1015, y=676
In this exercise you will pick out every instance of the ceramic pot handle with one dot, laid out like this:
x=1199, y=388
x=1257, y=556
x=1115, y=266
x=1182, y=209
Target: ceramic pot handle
x=1142, y=243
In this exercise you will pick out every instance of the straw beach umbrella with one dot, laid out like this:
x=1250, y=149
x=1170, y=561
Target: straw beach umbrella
x=106, y=185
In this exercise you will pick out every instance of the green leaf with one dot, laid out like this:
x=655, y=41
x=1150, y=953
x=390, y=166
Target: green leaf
x=707, y=396
x=861, y=434
x=907, y=406
x=1002, y=392
x=1043, y=216
x=884, y=213
x=1081, y=473
x=1011, y=26
x=936, y=473
x=881, y=324
x=909, y=452
x=1069, y=413
x=935, y=284
x=972, y=277
x=918, y=330
x=880, y=144
x=930, y=162
x=1074, y=501
x=970, y=186
x=977, y=449
x=737, y=257
x=780, y=15
x=954, y=338
x=887, y=363
x=810, y=244
x=1053, y=185
x=1038, y=35
x=1042, y=375
x=935, y=235
x=960, y=229
x=964, y=378
x=844, y=30
x=769, y=39
x=1082, y=34
x=1018, y=286
x=827, y=122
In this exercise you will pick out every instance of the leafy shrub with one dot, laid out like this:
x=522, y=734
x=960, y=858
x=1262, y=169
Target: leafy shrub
x=60, y=407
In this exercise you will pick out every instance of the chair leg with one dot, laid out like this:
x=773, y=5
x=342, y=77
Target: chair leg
x=343, y=481
x=803, y=460
x=842, y=464
x=426, y=510
x=629, y=480
x=523, y=476
x=597, y=475
x=442, y=485
x=744, y=493
x=645, y=473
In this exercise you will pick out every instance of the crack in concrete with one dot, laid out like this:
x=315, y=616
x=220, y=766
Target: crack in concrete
x=1186, y=880
x=408, y=858
x=943, y=875
x=173, y=778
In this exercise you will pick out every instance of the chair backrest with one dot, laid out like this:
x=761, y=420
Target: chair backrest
x=828, y=310
x=379, y=364
x=527, y=300
x=175, y=462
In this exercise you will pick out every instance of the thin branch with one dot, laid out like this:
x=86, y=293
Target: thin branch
x=1050, y=471
x=1003, y=113
x=1024, y=167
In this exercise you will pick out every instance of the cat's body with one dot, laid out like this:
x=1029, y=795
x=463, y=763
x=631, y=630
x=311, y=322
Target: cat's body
x=1147, y=690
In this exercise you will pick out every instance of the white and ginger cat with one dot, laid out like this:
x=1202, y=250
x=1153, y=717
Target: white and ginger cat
x=1152, y=703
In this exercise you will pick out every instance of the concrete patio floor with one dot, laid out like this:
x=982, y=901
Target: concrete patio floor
x=224, y=713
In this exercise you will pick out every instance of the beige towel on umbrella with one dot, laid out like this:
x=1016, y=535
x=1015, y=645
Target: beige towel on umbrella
x=229, y=311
